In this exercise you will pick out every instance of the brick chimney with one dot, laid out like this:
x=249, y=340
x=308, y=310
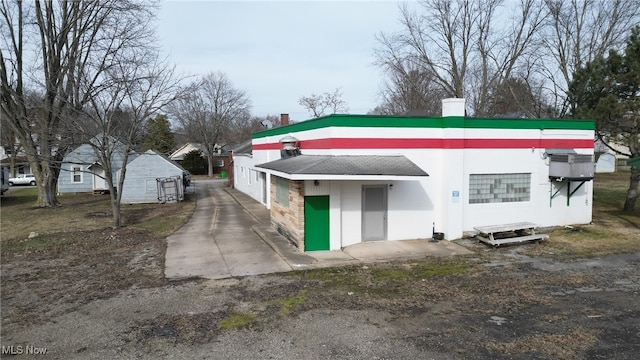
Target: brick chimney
x=284, y=119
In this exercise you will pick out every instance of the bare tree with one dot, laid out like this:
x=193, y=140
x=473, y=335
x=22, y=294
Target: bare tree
x=409, y=90
x=142, y=88
x=517, y=97
x=320, y=105
x=208, y=109
x=462, y=44
x=577, y=32
x=75, y=44
x=8, y=141
x=243, y=127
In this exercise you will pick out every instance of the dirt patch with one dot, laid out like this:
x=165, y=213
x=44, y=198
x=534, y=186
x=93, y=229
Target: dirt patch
x=491, y=305
x=45, y=277
x=183, y=328
x=102, y=294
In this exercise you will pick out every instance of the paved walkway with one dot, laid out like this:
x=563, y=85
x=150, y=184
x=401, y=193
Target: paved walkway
x=218, y=241
x=230, y=235
x=355, y=254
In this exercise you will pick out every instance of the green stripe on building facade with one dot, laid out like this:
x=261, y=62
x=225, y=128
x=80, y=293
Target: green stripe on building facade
x=337, y=120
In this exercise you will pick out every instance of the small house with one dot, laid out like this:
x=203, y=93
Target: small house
x=220, y=156
x=81, y=169
x=183, y=150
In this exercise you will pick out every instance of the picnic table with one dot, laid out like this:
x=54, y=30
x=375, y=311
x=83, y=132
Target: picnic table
x=497, y=235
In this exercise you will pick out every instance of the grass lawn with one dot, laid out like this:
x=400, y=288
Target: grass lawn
x=611, y=230
x=83, y=212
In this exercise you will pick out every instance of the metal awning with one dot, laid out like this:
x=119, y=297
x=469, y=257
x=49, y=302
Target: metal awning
x=344, y=167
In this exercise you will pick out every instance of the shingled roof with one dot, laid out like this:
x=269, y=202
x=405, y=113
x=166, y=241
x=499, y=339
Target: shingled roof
x=370, y=165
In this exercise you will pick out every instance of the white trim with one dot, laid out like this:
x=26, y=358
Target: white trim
x=73, y=174
x=340, y=177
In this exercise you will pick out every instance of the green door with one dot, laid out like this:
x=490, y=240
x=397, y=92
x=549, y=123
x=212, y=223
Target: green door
x=316, y=223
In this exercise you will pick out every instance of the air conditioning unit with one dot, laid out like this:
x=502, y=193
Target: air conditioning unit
x=571, y=166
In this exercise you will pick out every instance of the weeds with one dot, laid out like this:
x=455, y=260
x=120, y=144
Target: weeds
x=290, y=304
x=236, y=321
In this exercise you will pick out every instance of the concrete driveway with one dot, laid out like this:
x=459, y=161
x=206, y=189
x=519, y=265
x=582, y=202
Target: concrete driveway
x=218, y=241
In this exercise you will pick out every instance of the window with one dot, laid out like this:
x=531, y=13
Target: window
x=249, y=177
x=282, y=191
x=151, y=186
x=499, y=188
x=76, y=174
x=219, y=163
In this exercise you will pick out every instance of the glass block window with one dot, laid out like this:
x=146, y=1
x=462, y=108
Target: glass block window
x=499, y=188
x=282, y=191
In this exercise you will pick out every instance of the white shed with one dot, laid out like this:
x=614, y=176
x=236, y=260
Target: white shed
x=152, y=177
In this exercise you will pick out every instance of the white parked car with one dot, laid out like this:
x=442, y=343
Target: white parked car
x=25, y=179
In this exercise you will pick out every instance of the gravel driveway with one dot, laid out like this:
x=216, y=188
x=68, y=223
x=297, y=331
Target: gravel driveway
x=503, y=306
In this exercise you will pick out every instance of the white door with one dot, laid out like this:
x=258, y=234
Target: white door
x=99, y=182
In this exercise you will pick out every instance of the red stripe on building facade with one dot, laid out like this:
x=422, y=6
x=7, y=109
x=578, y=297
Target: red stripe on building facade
x=373, y=143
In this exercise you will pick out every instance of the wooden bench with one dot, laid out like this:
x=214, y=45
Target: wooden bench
x=497, y=235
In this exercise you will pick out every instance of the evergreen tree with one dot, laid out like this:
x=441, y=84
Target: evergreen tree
x=195, y=163
x=158, y=135
x=608, y=90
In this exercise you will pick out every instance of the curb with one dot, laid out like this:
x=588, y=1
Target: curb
x=296, y=261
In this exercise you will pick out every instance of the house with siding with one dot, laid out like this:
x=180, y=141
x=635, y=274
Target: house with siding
x=19, y=166
x=152, y=177
x=186, y=148
x=339, y=180
x=220, y=155
x=81, y=170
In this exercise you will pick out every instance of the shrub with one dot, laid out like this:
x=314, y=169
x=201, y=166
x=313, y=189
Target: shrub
x=195, y=163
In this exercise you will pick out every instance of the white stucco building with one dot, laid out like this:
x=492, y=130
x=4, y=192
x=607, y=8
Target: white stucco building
x=354, y=178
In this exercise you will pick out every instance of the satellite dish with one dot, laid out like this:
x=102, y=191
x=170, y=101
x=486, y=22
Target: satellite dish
x=267, y=123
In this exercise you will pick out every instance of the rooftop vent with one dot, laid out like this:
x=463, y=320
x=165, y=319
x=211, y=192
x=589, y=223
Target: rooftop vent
x=571, y=166
x=290, y=147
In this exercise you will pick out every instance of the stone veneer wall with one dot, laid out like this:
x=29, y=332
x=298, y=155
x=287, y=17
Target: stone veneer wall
x=289, y=221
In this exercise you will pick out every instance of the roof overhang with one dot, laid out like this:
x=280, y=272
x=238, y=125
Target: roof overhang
x=340, y=177
x=344, y=167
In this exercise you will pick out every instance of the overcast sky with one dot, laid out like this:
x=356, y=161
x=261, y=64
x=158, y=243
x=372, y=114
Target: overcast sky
x=279, y=51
